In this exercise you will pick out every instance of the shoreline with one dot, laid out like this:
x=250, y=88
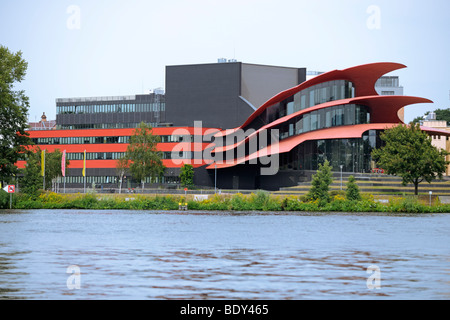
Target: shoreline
x=237, y=204
x=233, y=213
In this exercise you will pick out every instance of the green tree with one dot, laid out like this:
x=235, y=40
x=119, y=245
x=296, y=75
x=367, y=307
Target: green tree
x=53, y=168
x=122, y=165
x=31, y=181
x=320, y=184
x=14, y=107
x=352, y=192
x=408, y=153
x=187, y=175
x=145, y=159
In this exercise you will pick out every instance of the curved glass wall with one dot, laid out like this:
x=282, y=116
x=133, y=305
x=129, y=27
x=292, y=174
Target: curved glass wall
x=353, y=154
x=321, y=93
x=342, y=115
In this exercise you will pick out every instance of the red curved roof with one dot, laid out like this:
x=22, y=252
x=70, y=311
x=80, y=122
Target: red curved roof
x=363, y=78
x=342, y=132
x=384, y=109
x=286, y=145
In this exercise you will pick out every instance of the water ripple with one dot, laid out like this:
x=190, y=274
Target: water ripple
x=126, y=256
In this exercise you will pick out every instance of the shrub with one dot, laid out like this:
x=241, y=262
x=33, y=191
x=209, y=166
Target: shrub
x=240, y=203
x=352, y=190
x=87, y=201
x=4, y=200
x=407, y=205
x=320, y=184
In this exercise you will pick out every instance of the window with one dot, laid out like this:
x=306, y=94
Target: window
x=299, y=126
x=314, y=120
x=290, y=108
x=349, y=114
x=311, y=98
x=306, y=122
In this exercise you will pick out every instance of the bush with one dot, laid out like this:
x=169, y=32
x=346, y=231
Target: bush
x=259, y=201
x=87, y=201
x=352, y=190
x=4, y=200
x=408, y=205
x=320, y=184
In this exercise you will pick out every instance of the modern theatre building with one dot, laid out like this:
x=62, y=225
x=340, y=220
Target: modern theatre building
x=242, y=126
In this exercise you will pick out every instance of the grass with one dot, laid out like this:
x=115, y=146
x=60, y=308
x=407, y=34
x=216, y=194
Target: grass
x=259, y=201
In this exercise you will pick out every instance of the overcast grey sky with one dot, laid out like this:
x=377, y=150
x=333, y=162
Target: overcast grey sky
x=83, y=48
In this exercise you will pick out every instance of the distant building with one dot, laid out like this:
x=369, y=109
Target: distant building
x=390, y=86
x=44, y=124
x=440, y=141
x=111, y=112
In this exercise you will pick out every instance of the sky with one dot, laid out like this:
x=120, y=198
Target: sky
x=96, y=48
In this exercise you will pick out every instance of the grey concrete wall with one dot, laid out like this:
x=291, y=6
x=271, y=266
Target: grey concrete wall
x=260, y=83
x=206, y=92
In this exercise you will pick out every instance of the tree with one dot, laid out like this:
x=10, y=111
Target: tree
x=145, y=159
x=352, y=192
x=53, y=168
x=408, y=153
x=14, y=107
x=320, y=184
x=122, y=165
x=187, y=175
x=31, y=181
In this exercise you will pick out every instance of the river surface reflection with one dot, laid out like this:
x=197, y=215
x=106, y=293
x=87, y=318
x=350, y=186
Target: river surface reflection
x=152, y=255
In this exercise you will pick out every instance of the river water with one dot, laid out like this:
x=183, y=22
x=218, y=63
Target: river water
x=73, y=254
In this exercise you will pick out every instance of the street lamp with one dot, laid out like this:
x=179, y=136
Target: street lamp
x=341, y=174
x=431, y=192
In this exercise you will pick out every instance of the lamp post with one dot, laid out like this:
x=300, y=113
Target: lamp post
x=215, y=178
x=431, y=192
x=341, y=174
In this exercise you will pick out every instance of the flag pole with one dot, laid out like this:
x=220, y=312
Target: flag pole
x=84, y=171
x=43, y=167
x=63, y=168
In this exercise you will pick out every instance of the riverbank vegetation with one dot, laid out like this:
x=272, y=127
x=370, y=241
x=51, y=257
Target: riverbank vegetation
x=260, y=201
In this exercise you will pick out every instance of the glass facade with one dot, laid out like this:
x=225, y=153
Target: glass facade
x=318, y=94
x=352, y=154
x=110, y=108
x=102, y=125
x=105, y=140
x=127, y=182
x=343, y=115
x=321, y=93
x=118, y=155
x=110, y=112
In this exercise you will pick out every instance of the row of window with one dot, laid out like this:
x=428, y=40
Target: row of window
x=95, y=155
x=352, y=154
x=126, y=183
x=342, y=115
x=105, y=140
x=80, y=140
x=112, y=108
x=388, y=82
x=117, y=155
x=321, y=93
x=310, y=97
x=103, y=126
